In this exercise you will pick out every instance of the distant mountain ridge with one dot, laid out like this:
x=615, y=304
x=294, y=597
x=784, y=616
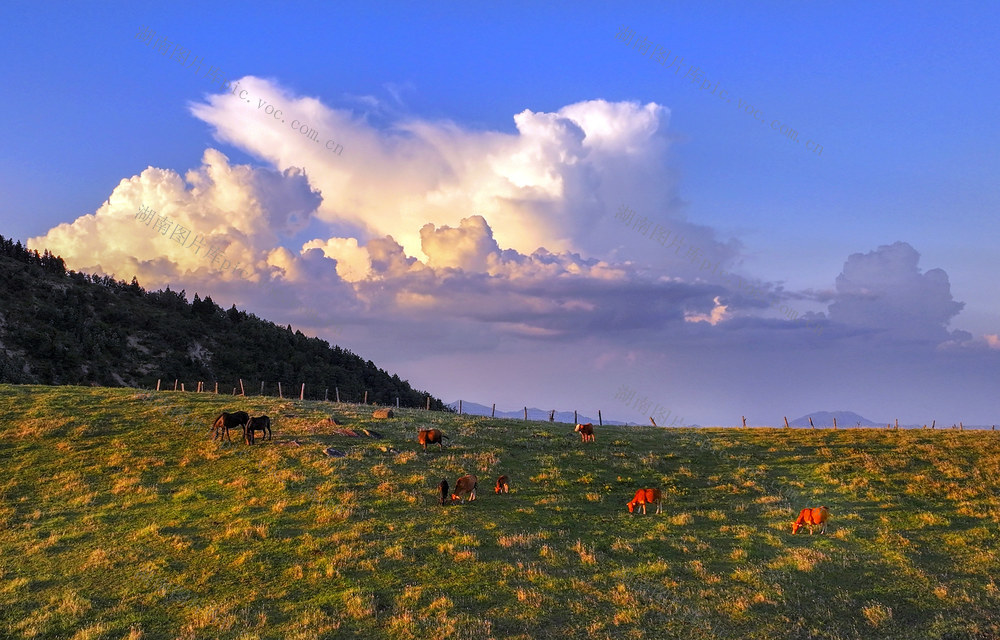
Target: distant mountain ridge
x=476, y=409
x=822, y=419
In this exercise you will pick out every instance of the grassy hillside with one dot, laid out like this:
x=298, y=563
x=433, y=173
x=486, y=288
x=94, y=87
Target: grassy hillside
x=122, y=519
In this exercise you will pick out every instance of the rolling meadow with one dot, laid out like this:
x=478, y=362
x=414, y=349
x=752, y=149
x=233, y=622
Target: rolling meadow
x=122, y=519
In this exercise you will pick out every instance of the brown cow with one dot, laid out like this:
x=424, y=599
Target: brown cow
x=431, y=436
x=810, y=518
x=503, y=485
x=443, y=492
x=465, y=484
x=226, y=421
x=586, y=431
x=644, y=497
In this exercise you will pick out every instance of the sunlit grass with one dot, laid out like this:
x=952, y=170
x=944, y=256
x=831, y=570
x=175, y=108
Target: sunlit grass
x=119, y=522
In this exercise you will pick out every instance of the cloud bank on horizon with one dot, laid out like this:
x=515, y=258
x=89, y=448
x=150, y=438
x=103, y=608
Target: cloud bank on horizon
x=479, y=244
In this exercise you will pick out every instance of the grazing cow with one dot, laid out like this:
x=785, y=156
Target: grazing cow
x=644, y=497
x=810, y=518
x=260, y=423
x=465, y=485
x=227, y=421
x=443, y=492
x=586, y=431
x=503, y=485
x=431, y=436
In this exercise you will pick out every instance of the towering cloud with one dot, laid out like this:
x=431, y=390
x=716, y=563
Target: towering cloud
x=884, y=290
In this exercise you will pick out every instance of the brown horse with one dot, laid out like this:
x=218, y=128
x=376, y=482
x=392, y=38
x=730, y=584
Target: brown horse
x=810, y=518
x=644, y=497
x=260, y=423
x=227, y=421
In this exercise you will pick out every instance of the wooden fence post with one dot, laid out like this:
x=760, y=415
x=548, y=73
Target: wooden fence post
x=428, y=402
x=786, y=423
x=157, y=384
x=337, y=391
x=279, y=391
x=243, y=391
x=526, y=413
x=366, y=397
x=552, y=415
x=933, y=423
x=835, y=422
x=961, y=427
x=261, y=387
x=397, y=402
x=234, y=391
x=175, y=384
x=811, y=425
x=302, y=392
x=182, y=386
x=600, y=420
x=326, y=395
x=459, y=407
x=575, y=421
x=493, y=412
x=216, y=388
x=653, y=421
x=744, y=421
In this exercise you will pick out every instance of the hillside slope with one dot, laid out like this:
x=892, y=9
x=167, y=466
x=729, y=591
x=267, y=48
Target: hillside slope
x=63, y=327
x=122, y=519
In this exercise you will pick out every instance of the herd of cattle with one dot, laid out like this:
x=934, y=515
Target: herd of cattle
x=466, y=485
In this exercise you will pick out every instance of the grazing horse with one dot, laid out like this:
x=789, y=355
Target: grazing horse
x=810, y=518
x=227, y=421
x=586, y=431
x=465, y=485
x=260, y=423
x=644, y=497
x=503, y=485
x=431, y=436
x=443, y=492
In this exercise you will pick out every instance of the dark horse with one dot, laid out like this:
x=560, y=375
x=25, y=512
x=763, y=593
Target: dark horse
x=227, y=421
x=259, y=423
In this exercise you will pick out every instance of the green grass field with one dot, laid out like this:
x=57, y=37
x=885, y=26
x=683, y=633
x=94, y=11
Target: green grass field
x=120, y=518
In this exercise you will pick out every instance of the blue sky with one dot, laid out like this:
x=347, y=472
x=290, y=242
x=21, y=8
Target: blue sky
x=424, y=99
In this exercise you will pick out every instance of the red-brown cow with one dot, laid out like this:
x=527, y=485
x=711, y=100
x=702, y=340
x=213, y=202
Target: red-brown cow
x=465, y=485
x=644, y=497
x=503, y=485
x=431, y=436
x=810, y=518
x=586, y=431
